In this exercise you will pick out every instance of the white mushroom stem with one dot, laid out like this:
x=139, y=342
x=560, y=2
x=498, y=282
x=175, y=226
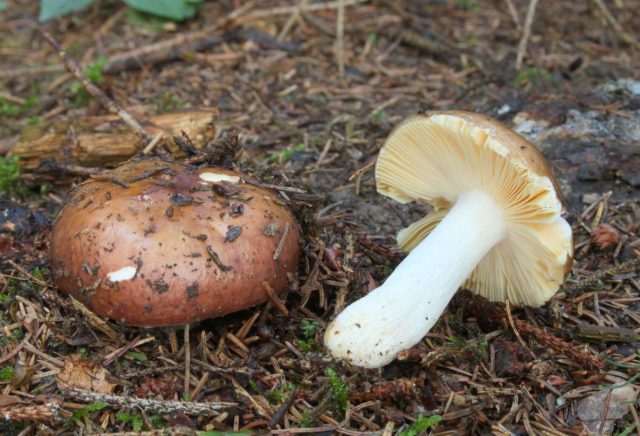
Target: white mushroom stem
x=397, y=315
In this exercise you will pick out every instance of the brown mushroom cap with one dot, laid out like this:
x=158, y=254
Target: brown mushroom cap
x=159, y=243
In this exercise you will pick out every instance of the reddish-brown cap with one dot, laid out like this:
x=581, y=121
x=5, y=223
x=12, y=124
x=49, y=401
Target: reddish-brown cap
x=160, y=243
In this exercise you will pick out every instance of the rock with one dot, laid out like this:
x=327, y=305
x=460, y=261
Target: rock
x=20, y=221
x=626, y=85
x=590, y=198
x=592, y=141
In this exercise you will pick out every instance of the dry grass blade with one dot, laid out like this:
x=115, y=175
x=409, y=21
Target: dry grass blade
x=339, y=44
x=526, y=33
x=94, y=319
x=313, y=7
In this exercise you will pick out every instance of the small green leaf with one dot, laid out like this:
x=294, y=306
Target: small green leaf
x=9, y=109
x=133, y=418
x=37, y=273
x=533, y=75
x=6, y=373
x=307, y=345
x=3, y=5
x=9, y=172
x=422, y=424
x=309, y=328
x=137, y=423
x=628, y=429
x=137, y=355
x=94, y=71
x=88, y=410
x=254, y=387
x=177, y=10
x=157, y=421
x=307, y=419
x=339, y=391
x=54, y=8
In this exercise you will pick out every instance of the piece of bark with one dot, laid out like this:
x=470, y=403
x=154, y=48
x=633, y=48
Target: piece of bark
x=607, y=334
x=106, y=140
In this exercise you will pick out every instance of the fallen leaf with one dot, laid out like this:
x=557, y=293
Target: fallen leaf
x=84, y=374
x=591, y=409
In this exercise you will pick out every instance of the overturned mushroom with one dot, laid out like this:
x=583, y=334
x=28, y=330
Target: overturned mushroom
x=496, y=228
x=160, y=243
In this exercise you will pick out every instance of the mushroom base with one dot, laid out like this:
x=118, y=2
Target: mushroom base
x=397, y=315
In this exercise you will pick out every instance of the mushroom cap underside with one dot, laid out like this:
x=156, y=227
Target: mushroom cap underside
x=162, y=244
x=437, y=156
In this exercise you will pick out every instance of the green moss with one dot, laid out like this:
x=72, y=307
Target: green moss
x=93, y=72
x=339, y=391
x=284, y=155
x=6, y=373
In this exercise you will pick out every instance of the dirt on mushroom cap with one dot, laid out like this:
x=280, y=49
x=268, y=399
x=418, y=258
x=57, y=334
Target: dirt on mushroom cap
x=149, y=245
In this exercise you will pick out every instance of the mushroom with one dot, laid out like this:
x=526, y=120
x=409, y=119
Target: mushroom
x=161, y=243
x=496, y=228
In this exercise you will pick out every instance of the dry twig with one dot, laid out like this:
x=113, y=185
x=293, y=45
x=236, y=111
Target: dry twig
x=526, y=33
x=594, y=279
x=313, y=7
x=514, y=14
x=339, y=44
x=169, y=48
x=187, y=360
x=109, y=104
x=149, y=405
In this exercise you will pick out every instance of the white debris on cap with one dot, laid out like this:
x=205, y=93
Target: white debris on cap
x=126, y=273
x=218, y=177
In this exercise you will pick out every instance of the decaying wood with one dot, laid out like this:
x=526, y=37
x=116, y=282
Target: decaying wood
x=601, y=333
x=106, y=140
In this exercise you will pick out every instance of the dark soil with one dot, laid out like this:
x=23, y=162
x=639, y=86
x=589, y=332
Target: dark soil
x=303, y=120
